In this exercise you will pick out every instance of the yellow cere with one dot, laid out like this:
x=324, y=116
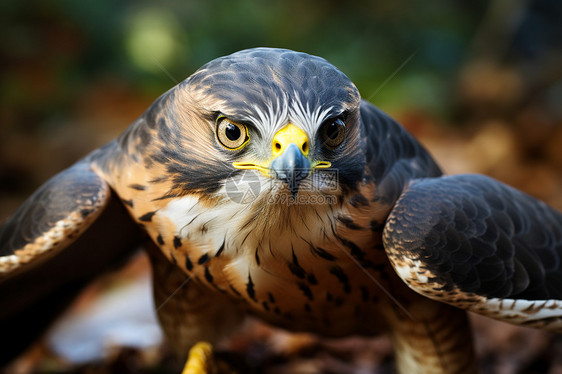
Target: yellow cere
x=287, y=135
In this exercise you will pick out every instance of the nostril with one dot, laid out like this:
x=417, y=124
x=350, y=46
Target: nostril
x=305, y=147
x=277, y=146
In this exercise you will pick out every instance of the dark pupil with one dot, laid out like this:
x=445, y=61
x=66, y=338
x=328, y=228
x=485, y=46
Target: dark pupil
x=232, y=132
x=332, y=131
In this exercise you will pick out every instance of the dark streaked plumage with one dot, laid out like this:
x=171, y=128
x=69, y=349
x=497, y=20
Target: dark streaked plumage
x=306, y=256
x=479, y=236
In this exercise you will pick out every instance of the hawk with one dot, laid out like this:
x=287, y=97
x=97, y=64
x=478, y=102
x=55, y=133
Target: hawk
x=263, y=184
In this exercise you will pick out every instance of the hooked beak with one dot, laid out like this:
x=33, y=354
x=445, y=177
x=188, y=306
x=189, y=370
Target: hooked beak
x=289, y=162
x=291, y=167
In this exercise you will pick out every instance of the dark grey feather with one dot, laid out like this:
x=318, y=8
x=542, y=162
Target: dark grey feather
x=481, y=236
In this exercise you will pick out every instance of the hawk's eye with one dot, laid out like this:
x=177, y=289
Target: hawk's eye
x=333, y=133
x=230, y=134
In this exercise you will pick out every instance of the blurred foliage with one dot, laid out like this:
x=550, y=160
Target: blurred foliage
x=50, y=50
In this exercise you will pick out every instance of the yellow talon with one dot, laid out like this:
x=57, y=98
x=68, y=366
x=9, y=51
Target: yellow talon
x=200, y=360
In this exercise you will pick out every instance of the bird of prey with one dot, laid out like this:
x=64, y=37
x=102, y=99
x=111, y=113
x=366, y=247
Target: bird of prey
x=263, y=184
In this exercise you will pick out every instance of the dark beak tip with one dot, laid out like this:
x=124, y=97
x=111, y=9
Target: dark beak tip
x=294, y=193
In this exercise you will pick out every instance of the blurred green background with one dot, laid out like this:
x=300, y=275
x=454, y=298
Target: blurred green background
x=478, y=82
x=149, y=45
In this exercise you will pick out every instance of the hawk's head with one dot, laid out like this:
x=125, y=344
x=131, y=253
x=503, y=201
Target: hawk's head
x=287, y=119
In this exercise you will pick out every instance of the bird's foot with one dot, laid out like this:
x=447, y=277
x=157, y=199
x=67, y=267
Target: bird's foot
x=201, y=360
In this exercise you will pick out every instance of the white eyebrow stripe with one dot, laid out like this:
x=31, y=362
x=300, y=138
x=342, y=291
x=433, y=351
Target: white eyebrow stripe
x=306, y=118
x=274, y=117
x=270, y=121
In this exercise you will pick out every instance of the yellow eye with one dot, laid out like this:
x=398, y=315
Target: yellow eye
x=230, y=134
x=333, y=133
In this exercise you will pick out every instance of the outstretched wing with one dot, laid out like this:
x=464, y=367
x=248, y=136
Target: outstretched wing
x=478, y=244
x=68, y=231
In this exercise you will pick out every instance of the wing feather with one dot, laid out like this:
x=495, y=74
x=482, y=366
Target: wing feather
x=470, y=241
x=65, y=234
x=392, y=155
